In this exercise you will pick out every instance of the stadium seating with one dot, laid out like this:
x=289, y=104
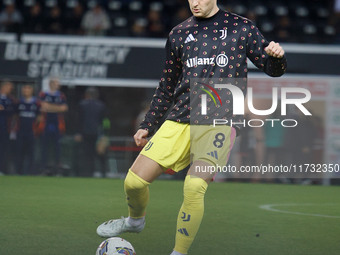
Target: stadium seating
x=302, y=21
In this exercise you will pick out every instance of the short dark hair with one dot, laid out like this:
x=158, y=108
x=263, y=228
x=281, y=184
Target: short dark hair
x=4, y=82
x=92, y=92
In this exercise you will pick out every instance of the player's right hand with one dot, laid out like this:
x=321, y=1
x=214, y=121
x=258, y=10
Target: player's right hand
x=274, y=50
x=140, y=137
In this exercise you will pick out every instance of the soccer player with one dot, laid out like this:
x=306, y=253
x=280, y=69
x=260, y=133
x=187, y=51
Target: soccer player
x=6, y=112
x=28, y=110
x=53, y=105
x=209, y=33
x=91, y=114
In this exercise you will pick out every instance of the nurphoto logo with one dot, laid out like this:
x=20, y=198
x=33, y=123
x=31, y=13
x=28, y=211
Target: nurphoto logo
x=281, y=98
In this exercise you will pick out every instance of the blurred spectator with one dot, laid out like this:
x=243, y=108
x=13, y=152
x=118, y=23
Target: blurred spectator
x=156, y=26
x=246, y=156
x=299, y=140
x=10, y=19
x=337, y=7
x=54, y=22
x=318, y=141
x=335, y=20
x=52, y=125
x=138, y=28
x=145, y=108
x=181, y=15
x=34, y=22
x=274, y=140
x=96, y=21
x=6, y=112
x=162, y=16
x=252, y=16
x=74, y=19
x=302, y=146
x=283, y=29
x=28, y=110
x=91, y=114
x=228, y=7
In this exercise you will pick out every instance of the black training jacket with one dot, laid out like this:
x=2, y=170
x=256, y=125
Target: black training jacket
x=215, y=47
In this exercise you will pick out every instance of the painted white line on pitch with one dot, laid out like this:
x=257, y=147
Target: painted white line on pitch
x=270, y=207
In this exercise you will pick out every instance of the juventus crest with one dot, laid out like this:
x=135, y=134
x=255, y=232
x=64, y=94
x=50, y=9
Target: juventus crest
x=224, y=34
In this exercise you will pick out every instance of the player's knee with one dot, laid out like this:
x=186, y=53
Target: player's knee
x=134, y=182
x=194, y=188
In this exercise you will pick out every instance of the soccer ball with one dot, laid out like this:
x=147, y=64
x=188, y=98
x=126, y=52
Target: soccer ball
x=115, y=246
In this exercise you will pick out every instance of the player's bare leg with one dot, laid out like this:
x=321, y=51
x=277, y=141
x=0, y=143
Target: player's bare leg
x=146, y=168
x=136, y=185
x=192, y=210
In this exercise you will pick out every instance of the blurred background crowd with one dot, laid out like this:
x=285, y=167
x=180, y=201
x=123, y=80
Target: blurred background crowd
x=50, y=133
x=33, y=124
x=302, y=21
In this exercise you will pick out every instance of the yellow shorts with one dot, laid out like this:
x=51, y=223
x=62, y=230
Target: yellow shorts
x=175, y=145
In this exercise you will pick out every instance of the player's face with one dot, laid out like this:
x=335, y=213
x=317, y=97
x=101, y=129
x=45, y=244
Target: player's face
x=6, y=88
x=54, y=85
x=27, y=91
x=203, y=8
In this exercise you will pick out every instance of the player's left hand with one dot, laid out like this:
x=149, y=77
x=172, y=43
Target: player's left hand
x=140, y=137
x=274, y=50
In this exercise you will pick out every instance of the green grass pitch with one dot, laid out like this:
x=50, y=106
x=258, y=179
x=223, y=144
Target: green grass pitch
x=41, y=215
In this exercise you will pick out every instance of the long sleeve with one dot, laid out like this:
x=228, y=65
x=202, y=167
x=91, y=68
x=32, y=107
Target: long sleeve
x=164, y=95
x=256, y=44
